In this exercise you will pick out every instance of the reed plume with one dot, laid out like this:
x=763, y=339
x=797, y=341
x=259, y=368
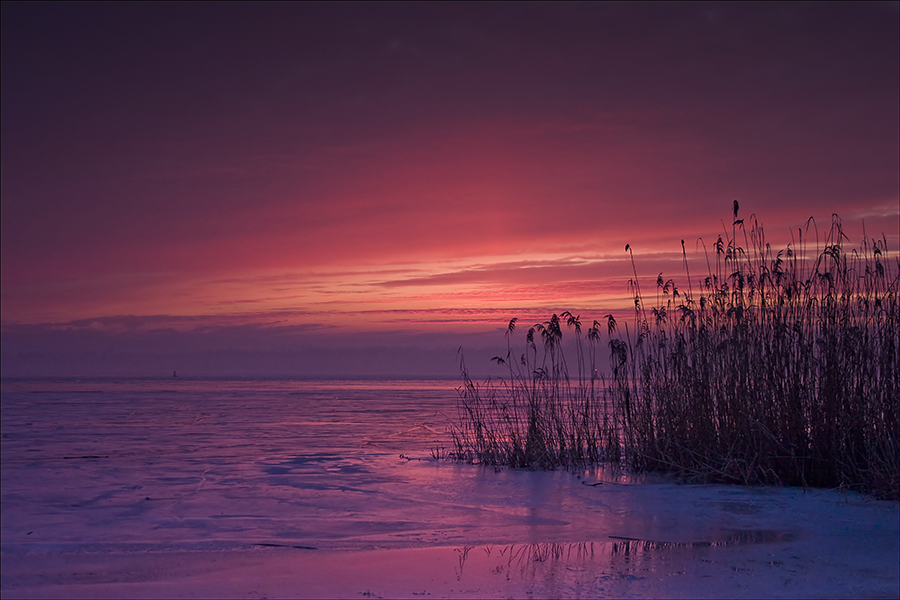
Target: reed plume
x=776, y=367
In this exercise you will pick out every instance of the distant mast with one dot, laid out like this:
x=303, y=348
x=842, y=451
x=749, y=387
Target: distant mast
x=174, y=374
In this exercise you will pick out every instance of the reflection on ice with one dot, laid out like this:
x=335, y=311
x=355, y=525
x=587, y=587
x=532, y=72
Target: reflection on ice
x=752, y=536
x=512, y=558
x=110, y=475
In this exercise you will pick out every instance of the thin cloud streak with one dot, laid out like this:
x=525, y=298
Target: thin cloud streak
x=327, y=162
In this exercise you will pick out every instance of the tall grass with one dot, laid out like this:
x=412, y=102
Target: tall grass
x=772, y=367
x=539, y=416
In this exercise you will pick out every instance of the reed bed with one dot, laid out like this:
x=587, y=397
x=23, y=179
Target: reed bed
x=772, y=367
x=540, y=416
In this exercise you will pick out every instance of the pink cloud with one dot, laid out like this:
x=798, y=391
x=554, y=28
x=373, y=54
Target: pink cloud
x=318, y=178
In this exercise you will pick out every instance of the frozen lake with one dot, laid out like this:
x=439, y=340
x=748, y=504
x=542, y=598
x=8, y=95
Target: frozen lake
x=207, y=487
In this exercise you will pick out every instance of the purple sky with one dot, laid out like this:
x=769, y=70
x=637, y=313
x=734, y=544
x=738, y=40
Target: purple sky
x=303, y=189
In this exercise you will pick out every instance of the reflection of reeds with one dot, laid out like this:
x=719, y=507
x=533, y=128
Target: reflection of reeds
x=774, y=367
x=521, y=557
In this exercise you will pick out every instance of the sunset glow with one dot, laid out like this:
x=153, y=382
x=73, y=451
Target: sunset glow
x=396, y=171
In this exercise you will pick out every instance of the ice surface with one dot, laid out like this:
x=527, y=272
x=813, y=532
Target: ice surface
x=300, y=488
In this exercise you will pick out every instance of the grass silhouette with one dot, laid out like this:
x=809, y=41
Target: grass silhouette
x=775, y=367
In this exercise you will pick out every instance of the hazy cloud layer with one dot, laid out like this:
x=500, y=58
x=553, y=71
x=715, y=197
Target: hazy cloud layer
x=341, y=167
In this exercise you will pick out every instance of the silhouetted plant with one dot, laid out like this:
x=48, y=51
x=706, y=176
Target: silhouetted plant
x=779, y=367
x=538, y=416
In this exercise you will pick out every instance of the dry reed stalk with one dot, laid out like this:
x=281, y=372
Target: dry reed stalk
x=778, y=368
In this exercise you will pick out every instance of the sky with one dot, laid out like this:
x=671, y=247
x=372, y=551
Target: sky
x=329, y=189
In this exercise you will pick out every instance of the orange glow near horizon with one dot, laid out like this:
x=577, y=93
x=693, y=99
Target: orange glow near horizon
x=443, y=169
